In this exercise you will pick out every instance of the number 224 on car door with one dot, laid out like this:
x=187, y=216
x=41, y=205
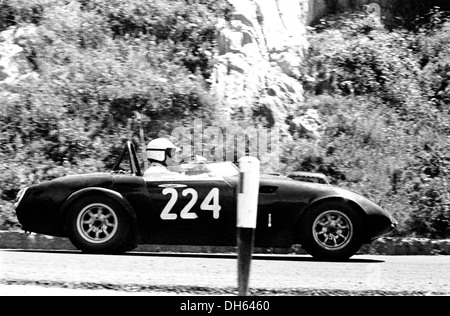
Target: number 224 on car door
x=192, y=211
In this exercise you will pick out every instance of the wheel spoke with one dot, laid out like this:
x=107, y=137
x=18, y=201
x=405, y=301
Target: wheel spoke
x=342, y=226
x=105, y=230
x=322, y=232
x=334, y=240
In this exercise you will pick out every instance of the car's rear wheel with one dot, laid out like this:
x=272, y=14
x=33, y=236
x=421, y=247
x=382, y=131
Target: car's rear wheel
x=99, y=225
x=332, y=231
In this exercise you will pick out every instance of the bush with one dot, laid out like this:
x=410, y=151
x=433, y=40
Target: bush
x=360, y=58
x=14, y=12
x=433, y=48
x=188, y=28
x=383, y=96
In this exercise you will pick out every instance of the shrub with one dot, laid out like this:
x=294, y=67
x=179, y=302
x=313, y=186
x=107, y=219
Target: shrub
x=14, y=12
x=360, y=58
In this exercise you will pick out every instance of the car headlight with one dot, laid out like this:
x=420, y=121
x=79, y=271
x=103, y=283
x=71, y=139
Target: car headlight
x=20, y=196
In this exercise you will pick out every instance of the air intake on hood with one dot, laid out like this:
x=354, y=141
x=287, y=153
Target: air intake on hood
x=267, y=189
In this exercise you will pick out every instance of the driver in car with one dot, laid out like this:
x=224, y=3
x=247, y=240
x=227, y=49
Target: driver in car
x=161, y=153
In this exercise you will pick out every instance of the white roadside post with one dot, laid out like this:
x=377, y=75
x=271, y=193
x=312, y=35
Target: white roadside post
x=247, y=206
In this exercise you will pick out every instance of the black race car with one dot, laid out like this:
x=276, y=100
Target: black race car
x=114, y=212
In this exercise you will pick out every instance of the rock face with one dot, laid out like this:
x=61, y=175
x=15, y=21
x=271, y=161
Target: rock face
x=14, y=66
x=258, y=58
x=259, y=53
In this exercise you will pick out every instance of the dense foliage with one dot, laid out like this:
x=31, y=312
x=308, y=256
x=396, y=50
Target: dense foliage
x=384, y=97
x=110, y=70
x=107, y=71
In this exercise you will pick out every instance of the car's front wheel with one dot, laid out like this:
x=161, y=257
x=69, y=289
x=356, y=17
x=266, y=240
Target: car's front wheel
x=332, y=231
x=99, y=225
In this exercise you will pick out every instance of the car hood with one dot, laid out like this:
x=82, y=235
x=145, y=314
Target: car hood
x=75, y=181
x=88, y=179
x=289, y=190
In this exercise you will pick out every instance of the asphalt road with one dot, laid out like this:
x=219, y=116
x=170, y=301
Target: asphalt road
x=73, y=273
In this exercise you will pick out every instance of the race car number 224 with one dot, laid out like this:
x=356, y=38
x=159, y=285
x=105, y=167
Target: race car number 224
x=210, y=203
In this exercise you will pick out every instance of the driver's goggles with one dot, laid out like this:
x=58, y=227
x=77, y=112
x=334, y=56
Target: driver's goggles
x=172, y=151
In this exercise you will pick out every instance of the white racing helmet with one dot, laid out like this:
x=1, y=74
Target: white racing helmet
x=158, y=148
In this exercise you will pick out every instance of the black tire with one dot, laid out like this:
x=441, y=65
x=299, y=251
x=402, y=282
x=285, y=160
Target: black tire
x=98, y=224
x=332, y=231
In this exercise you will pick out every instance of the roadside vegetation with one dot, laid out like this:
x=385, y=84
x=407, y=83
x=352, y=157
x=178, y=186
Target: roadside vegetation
x=107, y=70
x=110, y=69
x=384, y=96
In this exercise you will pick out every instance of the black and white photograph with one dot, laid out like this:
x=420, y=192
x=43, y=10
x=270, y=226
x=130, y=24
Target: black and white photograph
x=225, y=153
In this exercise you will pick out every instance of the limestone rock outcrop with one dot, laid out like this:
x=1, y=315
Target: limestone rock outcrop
x=14, y=65
x=260, y=50
x=259, y=53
